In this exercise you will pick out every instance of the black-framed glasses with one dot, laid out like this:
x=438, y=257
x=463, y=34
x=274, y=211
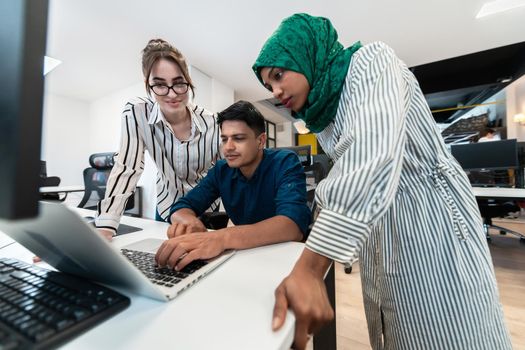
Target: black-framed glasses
x=163, y=90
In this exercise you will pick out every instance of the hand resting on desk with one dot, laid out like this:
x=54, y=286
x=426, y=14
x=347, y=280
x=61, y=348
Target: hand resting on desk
x=304, y=292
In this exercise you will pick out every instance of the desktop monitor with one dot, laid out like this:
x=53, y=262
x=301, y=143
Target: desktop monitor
x=304, y=152
x=23, y=26
x=494, y=155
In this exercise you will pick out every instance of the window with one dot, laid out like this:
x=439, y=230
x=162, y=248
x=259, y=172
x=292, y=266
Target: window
x=271, y=141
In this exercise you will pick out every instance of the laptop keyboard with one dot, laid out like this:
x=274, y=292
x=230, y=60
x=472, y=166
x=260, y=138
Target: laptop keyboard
x=162, y=276
x=40, y=308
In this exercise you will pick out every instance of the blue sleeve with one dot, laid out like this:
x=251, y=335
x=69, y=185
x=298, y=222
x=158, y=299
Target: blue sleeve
x=290, y=200
x=201, y=196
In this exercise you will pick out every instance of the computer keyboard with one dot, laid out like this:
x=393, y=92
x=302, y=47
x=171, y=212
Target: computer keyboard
x=162, y=276
x=41, y=309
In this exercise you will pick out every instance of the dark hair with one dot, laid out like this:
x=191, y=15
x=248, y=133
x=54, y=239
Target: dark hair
x=157, y=49
x=490, y=131
x=245, y=112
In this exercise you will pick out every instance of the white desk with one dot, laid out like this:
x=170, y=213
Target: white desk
x=229, y=309
x=61, y=189
x=499, y=192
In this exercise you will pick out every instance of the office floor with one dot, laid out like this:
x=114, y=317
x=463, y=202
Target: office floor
x=508, y=256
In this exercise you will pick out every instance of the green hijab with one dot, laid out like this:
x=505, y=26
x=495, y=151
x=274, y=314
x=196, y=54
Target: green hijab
x=308, y=45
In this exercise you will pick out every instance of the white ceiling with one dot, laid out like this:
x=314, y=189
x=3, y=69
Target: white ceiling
x=99, y=41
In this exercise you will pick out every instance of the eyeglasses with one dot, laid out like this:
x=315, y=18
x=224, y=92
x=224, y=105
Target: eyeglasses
x=163, y=90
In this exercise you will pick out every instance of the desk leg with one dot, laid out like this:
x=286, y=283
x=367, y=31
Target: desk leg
x=326, y=338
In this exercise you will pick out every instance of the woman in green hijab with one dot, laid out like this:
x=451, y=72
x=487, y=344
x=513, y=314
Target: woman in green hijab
x=395, y=198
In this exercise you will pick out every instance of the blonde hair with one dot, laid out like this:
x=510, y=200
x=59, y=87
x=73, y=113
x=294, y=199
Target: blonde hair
x=157, y=49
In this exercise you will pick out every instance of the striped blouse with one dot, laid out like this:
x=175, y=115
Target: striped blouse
x=180, y=165
x=399, y=201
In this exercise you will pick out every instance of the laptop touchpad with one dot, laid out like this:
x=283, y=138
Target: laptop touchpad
x=150, y=245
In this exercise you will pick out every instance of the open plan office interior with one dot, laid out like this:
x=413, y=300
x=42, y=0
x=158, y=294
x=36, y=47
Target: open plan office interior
x=60, y=128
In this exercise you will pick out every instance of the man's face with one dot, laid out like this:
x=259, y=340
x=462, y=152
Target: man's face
x=240, y=145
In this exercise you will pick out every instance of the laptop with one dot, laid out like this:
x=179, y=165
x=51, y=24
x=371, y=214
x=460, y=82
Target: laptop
x=65, y=241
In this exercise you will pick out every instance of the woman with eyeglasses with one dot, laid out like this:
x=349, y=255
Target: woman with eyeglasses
x=181, y=138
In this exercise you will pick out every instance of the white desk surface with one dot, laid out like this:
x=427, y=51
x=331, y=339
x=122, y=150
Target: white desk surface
x=59, y=189
x=229, y=309
x=499, y=192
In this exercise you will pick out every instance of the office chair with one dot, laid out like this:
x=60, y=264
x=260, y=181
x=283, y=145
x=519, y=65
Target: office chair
x=315, y=170
x=490, y=208
x=49, y=181
x=324, y=161
x=215, y=220
x=96, y=177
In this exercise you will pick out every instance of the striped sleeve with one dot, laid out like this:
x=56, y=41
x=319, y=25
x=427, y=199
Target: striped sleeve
x=126, y=172
x=364, y=179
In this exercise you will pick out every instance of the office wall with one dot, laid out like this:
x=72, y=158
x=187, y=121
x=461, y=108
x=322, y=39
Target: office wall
x=210, y=93
x=105, y=118
x=65, y=138
x=203, y=88
x=285, y=135
x=222, y=96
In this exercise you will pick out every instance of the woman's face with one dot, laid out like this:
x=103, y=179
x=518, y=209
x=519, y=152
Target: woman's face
x=289, y=87
x=167, y=73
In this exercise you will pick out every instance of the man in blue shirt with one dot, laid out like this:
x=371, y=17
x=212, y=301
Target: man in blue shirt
x=263, y=192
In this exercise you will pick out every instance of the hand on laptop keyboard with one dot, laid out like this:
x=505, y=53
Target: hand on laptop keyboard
x=180, y=251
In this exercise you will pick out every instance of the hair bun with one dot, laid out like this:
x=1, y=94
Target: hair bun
x=157, y=44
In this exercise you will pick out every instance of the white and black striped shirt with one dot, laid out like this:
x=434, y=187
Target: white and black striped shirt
x=180, y=165
x=397, y=199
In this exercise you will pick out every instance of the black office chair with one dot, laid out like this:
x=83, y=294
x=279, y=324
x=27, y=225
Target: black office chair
x=96, y=177
x=49, y=181
x=490, y=208
x=215, y=220
x=324, y=161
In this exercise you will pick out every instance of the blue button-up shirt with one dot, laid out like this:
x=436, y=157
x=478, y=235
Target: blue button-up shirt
x=277, y=187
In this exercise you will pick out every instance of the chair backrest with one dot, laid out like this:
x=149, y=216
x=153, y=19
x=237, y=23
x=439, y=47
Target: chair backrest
x=215, y=220
x=317, y=170
x=102, y=161
x=96, y=177
x=43, y=169
x=46, y=181
x=324, y=161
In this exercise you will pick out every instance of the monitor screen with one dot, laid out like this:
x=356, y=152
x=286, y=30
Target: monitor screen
x=23, y=25
x=304, y=152
x=487, y=155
